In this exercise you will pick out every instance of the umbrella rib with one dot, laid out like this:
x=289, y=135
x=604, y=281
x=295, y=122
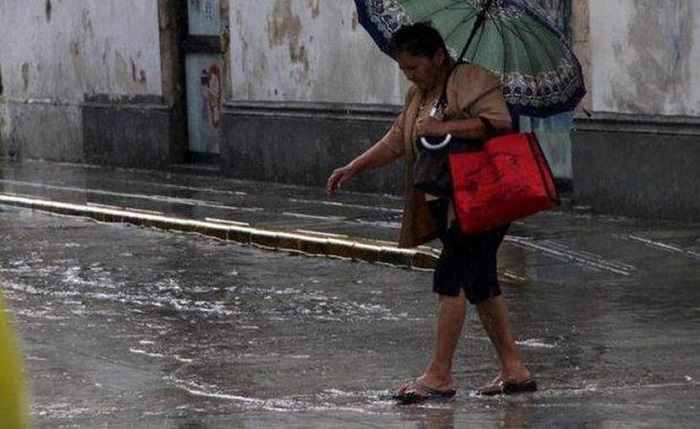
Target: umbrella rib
x=428, y=16
x=536, y=36
x=519, y=31
x=456, y=27
x=500, y=28
x=477, y=40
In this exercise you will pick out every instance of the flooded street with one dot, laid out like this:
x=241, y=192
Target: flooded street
x=127, y=327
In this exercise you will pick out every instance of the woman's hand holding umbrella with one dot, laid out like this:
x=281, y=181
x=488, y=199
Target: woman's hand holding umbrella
x=431, y=127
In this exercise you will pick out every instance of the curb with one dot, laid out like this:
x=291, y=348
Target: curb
x=228, y=231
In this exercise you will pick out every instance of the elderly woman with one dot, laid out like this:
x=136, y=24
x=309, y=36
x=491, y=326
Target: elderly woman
x=466, y=269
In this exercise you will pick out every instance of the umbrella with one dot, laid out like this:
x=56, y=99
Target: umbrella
x=541, y=75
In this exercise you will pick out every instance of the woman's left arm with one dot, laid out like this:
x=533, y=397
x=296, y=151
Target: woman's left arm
x=478, y=94
x=469, y=128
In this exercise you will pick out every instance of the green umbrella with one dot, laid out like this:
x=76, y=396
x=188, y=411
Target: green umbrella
x=541, y=75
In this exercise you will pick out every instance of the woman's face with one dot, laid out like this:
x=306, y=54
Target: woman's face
x=425, y=72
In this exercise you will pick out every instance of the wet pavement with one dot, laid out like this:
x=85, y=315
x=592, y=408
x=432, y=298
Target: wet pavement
x=133, y=327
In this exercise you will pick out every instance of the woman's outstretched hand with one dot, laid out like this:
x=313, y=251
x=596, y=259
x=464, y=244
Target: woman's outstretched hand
x=338, y=177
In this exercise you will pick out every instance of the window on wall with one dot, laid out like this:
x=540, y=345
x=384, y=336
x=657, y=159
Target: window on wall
x=560, y=12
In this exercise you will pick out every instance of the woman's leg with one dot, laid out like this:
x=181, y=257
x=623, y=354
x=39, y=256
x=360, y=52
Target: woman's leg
x=450, y=321
x=493, y=314
x=451, y=312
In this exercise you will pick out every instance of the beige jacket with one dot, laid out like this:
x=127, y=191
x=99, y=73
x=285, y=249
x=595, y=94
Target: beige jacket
x=471, y=92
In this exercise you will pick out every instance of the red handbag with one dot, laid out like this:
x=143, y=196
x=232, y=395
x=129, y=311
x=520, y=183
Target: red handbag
x=508, y=180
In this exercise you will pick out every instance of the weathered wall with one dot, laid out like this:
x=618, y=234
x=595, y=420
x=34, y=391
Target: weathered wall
x=68, y=48
x=645, y=54
x=635, y=154
x=308, y=50
x=54, y=52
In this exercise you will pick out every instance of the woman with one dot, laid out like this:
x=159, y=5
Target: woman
x=466, y=269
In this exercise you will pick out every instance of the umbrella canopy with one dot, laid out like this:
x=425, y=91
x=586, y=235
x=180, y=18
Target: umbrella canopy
x=541, y=75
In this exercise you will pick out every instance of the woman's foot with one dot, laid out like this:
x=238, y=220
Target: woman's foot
x=416, y=391
x=508, y=386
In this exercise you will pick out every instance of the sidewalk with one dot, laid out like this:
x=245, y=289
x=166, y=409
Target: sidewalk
x=351, y=225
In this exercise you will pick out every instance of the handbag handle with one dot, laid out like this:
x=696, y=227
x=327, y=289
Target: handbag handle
x=439, y=105
x=426, y=144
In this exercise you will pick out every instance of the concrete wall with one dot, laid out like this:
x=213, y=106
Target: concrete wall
x=633, y=166
x=55, y=53
x=635, y=153
x=308, y=50
x=645, y=55
x=305, y=141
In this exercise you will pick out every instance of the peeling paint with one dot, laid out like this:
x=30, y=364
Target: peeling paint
x=245, y=52
x=661, y=43
x=128, y=74
x=137, y=75
x=78, y=62
x=301, y=56
x=121, y=68
x=283, y=25
x=86, y=23
x=315, y=6
x=47, y=10
x=25, y=76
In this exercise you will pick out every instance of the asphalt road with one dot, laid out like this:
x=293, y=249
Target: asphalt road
x=128, y=327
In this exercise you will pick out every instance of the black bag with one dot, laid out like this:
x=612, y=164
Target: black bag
x=431, y=172
x=431, y=168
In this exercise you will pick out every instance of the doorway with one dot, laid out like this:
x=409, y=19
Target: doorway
x=203, y=42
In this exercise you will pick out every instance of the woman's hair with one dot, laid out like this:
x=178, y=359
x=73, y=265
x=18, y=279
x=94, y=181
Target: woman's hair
x=419, y=39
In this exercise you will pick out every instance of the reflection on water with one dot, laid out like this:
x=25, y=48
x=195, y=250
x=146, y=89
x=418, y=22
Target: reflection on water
x=510, y=413
x=192, y=425
x=433, y=418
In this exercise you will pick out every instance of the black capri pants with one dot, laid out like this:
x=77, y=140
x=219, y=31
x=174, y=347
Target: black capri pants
x=467, y=261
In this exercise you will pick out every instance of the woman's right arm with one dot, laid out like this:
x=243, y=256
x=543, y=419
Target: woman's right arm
x=386, y=150
x=381, y=153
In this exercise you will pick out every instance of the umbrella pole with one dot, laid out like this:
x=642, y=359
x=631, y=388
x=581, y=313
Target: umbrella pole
x=479, y=22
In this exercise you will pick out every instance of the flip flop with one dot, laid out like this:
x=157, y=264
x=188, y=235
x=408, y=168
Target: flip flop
x=416, y=393
x=508, y=387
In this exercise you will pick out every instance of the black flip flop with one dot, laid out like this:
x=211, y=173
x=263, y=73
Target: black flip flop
x=509, y=388
x=418, y=393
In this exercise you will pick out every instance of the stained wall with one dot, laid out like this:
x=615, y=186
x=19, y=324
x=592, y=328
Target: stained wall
x=644, y=56
x=56, y=53
x=635, y=152
x=308, y=50
x=73, y=47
